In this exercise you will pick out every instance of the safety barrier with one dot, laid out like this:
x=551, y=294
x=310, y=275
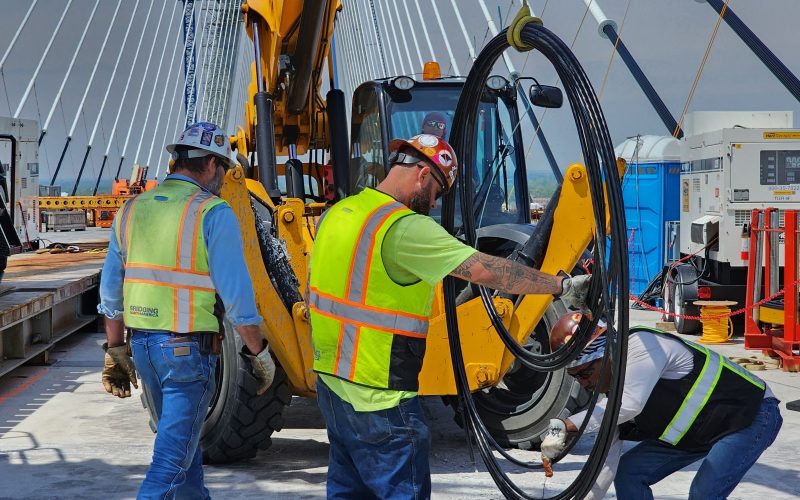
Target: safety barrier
x=770, y=328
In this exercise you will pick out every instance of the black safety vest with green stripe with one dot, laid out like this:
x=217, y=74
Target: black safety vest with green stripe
x=718, y=397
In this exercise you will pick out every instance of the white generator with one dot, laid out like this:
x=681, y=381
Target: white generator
x=19, y=183
x=753, y=161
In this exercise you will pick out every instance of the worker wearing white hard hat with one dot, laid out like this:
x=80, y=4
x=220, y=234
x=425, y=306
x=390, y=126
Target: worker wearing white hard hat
x=176, y=260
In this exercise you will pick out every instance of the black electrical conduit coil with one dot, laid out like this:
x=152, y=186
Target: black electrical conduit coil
x=609, y=284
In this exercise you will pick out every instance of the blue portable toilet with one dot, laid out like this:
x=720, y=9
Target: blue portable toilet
x=651, y=192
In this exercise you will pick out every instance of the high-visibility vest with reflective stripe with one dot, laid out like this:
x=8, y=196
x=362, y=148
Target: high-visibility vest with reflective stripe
x=167, y=285
x=365, y=327
x=718, y=397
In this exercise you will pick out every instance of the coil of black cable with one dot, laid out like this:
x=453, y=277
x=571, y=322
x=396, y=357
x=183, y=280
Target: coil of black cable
x=609, y=289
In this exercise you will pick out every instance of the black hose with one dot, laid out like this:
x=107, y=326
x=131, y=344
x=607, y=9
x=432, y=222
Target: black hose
x=610, y=281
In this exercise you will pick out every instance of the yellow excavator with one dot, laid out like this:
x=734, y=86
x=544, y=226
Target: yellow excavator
x=278, y=204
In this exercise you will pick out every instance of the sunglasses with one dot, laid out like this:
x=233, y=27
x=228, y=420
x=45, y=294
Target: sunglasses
x=433, y=123
x=585, y=374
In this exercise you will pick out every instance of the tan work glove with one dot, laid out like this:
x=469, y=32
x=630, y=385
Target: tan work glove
x=262, y=367
x=574, y=291
x=118, y=371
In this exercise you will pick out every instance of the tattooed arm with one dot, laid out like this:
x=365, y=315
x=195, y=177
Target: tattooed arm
x=506, y=275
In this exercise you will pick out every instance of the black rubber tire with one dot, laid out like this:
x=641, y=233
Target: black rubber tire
x=239, y=423
x=518, y=411
x=683, y=290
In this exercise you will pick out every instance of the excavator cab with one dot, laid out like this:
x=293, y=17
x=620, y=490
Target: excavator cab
x=400, y=107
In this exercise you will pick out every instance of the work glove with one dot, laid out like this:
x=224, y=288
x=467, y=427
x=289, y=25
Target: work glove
x=555, y=439
x=118, y=371
x=262, y=367
x=574, y=291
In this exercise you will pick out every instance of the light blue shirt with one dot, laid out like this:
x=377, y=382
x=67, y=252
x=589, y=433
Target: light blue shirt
x=226, y=265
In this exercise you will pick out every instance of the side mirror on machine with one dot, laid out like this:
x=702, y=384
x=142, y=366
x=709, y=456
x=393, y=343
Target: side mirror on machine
x=546, y=96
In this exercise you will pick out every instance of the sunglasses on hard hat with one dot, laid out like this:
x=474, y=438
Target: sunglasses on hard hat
x=408, y=159
x=436, y=124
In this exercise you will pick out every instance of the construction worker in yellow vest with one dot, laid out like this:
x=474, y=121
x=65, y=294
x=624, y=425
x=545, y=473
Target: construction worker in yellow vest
x=175, y=262
x=376, y=259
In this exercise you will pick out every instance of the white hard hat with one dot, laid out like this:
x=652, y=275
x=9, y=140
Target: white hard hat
x=204, y=138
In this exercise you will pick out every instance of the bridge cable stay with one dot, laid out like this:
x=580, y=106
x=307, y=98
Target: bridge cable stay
x=403, y=37
x=614, y=51
x=467, y=39
x=190, y=77
x=413, y=33
x=357, y=68
x=224, y=73
x=142, y=79
x=171, y=65
x=41, y=60
x=223, y=70
x=425, y=32
x=607, y=28
x=157, y=80
x=83, y=100
x=378, y=37
x=128, y=81
x=770, y=60
x=558, y=79
x=211, y=88
x=453, y=62
x=529, y=111
x=11, y=46
x=110, y=84
x=701, y=68
x=395, y=69
x=368, y=47
x=238, y=92
x=357, y=27
x=349, y=54
x=201, y=75
x=64, y=80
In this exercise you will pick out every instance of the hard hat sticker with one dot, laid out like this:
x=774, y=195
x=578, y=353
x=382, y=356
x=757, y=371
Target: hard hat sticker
x=219, y=140
x=205, y=140
x=209, y=126
x=428, y=140
x=193, y=132
x=445, y=158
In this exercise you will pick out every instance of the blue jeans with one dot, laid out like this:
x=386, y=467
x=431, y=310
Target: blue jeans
x=378, y=454
x=724, y=466
x=181, y=382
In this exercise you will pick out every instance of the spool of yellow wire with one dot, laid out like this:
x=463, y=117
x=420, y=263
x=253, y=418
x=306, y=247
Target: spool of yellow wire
x=717, y=325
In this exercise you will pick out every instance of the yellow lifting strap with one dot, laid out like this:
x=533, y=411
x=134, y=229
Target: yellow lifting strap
x=514, y=32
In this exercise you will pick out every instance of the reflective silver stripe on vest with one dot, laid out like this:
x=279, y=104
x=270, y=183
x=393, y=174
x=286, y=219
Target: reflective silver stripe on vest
x=183, y=312
x=122, y=228
x=361, y=257
x=170, y=278
x=377, y=319
x=347, y=351
x=696, y=400
x=187, y=236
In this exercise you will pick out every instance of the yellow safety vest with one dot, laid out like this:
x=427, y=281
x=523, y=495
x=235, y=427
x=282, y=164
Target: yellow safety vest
x=365, y=327
x=167, y=285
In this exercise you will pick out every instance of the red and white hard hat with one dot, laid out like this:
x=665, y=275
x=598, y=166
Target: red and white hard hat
x=431, y=148
x=201, y=139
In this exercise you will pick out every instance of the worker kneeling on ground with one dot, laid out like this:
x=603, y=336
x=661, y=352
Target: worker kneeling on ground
x=682, y=401
x=174, y=259
x=375, y=262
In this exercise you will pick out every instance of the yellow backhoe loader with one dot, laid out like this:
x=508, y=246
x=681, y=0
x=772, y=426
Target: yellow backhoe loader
x=286, y=116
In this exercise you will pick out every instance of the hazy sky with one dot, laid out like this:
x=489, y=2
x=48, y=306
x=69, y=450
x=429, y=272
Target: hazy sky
x=667, y=37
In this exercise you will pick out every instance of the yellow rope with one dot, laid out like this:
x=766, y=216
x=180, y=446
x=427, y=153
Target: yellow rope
x=679, y=126
x=513, y=34
x=716, y=330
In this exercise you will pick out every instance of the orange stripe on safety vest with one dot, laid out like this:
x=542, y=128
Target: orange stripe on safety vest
x=372, y=249
x=183, y=221
x=355, y=248
x=352, y=374
x=197, y=223
x=166, y=268
x=339, y=346
x=394, y=331
x=367, y=306
x=191, y=310
x=174, y=309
